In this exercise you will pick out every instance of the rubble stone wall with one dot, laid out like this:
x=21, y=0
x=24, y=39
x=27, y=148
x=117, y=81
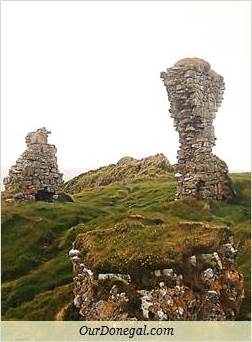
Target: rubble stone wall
x=195, y=92
x=36, y=171
x=207, y=287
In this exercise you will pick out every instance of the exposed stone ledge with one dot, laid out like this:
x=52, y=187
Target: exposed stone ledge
x=207, y=286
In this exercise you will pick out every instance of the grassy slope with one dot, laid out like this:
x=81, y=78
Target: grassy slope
x=36, y=272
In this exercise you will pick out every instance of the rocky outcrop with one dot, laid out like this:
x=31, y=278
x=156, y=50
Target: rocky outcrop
x=125, y=170
x=200, y=282
x=195, y=92
x=35, y=174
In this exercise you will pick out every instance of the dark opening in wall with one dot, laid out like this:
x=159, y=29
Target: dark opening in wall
x=199, y=185
x=44, y=195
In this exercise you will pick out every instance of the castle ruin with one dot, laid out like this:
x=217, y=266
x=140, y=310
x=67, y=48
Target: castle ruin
x=195, y=92
x=35, y=176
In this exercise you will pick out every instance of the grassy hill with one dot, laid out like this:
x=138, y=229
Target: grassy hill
x=36, y=236
x=124, y=171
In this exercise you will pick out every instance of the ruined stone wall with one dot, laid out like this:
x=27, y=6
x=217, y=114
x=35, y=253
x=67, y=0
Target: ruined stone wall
x=195, y=92
x=36, y=171
x=206, y=287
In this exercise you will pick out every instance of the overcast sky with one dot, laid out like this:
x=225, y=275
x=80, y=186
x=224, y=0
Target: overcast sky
x=90, y=73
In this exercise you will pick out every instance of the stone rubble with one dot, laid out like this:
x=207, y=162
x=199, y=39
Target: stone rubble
x=35, y=174
x=195, y=92
x=209, y=287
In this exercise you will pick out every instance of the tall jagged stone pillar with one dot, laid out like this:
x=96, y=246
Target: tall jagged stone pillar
x=195, y=92
x=35, y=174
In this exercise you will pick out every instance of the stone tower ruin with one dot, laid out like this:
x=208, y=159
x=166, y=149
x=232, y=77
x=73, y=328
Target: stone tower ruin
x=195, y=92
x=35, y=175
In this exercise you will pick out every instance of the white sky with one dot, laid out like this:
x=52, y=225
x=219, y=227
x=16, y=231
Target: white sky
x=90, y=73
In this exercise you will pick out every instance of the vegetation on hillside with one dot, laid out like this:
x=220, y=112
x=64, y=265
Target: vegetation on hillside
x=36, y=236
x=124, y=171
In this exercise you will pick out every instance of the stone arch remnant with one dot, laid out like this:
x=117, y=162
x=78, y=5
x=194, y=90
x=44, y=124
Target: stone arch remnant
x=195, y=92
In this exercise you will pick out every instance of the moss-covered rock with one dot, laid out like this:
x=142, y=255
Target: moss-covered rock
x=132, y=246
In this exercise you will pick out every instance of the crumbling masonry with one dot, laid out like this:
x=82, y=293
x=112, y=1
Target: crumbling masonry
x=35, y=174
x=195, y=92
x=206, y=287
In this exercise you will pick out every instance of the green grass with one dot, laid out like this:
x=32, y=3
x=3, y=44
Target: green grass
x=136, y=244
x=43, y=306
x=36, y=236
x=30, y=232
x=125, y=171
